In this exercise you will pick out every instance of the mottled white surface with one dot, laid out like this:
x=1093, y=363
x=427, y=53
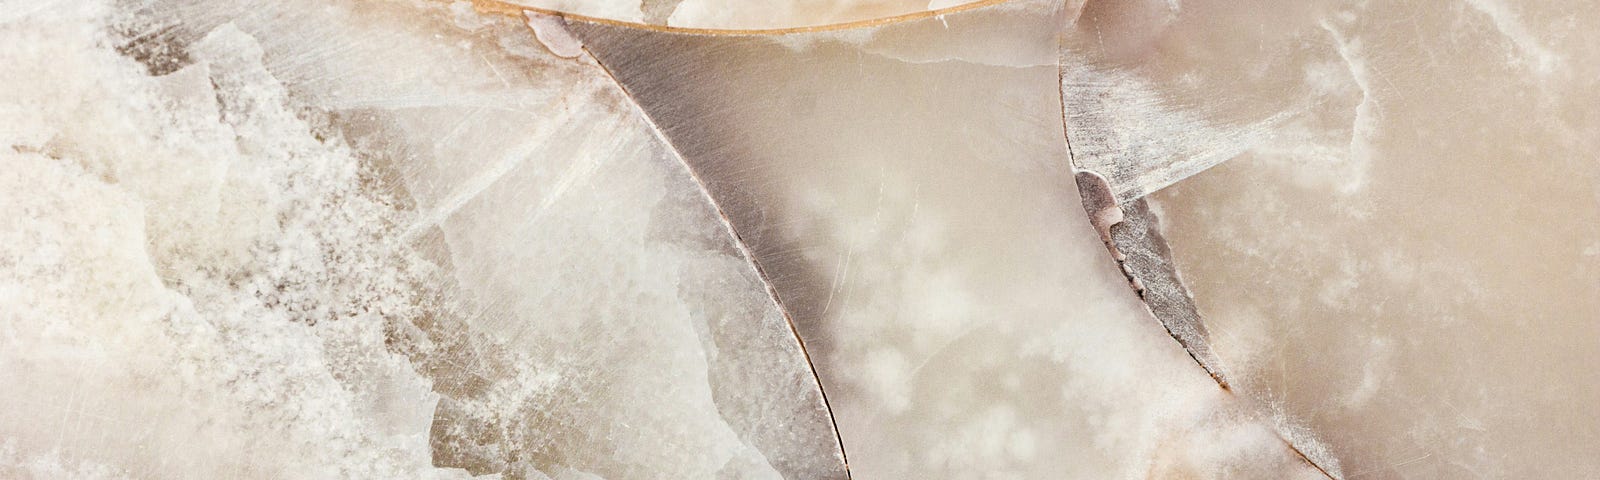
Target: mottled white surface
x=170, y=302
x=362, y=240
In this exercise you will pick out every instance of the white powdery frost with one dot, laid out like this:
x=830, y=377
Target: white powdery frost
x=172, y=251
x=364, y=240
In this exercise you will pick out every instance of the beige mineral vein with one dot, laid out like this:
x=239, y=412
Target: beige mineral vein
x=515, y=10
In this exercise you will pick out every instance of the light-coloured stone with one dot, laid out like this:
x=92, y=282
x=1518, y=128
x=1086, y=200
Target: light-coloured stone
x=1402, y=256
x=273, y=256
x=419, y=239
x=906, y=190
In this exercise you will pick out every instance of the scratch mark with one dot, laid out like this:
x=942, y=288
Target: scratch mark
x=485, y=178
x=494, y=69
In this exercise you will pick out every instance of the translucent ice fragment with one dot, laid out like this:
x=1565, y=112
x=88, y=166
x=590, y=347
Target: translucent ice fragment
x=905, y=190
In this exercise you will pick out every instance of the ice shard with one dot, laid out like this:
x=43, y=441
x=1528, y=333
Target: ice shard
x=905, y=189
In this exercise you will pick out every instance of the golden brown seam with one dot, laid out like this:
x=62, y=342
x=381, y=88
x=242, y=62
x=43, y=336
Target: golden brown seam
x=501, y=7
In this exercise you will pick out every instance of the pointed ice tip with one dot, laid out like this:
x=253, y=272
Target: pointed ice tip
x=551, y=31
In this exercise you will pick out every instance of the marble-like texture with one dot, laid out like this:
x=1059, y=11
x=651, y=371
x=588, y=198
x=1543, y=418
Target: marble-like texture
x=423, y=248
x=168, y=307
x=427, y=239
x=1401, y=254
x=907, y=192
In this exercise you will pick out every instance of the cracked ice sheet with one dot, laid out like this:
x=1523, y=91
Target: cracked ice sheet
x=906, y=190
x=1409, y=265
x=276, y=256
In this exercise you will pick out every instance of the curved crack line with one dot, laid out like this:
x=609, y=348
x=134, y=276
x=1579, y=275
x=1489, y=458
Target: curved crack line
x=742, y=246
x=1105, y=212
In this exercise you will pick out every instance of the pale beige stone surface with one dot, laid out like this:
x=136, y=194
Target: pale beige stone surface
x=1404, y=256
x=906, y=190
x=412, y=239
